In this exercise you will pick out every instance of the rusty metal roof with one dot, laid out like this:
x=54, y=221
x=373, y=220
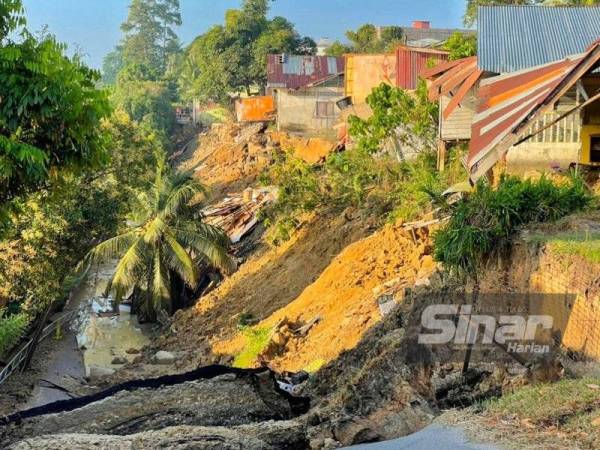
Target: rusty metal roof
x=454, y=78
x=295, y=71
x=512, y=38
x=509, y=103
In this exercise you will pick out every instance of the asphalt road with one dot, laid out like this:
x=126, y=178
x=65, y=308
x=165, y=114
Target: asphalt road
x=431, y=437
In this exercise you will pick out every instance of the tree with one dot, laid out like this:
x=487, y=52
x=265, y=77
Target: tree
x=149, y=36
x=369, y=39
x=461, y=45
x=112, y=64
x=50, y=111
x=164, y=252
x=231, y=58
x=338, y=49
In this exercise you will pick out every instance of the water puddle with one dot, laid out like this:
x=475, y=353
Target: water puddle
x=108, y=339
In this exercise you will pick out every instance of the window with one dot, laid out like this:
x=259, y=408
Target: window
x=325, y=109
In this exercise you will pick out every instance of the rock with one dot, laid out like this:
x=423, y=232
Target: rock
x=132, y=351
x=96, y=372
x=119, y=360
x=138, y=359
x=163, y=357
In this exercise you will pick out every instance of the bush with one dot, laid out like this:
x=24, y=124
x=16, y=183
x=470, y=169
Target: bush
x=12, y=328
x=483, y=223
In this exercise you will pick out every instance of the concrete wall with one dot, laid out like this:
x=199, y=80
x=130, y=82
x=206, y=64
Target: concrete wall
x=297, y=110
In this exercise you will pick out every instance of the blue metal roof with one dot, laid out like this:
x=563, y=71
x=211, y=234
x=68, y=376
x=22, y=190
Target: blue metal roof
x=512, y=38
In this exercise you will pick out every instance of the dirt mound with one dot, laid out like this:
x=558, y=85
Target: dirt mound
x=268, y=281
x=311, y=150
x=334, y=312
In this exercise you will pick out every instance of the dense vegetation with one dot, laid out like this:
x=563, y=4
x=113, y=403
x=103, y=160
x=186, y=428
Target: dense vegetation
x=483, y=223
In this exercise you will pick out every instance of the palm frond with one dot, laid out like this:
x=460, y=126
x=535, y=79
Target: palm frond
x=209, y=244
x=110, y=249
x=181, y=261
x=154, y=231
x=161, y=294
x=180, y=196
x=130, y=268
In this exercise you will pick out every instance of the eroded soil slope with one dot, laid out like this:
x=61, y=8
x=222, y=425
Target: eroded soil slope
x=333, y=313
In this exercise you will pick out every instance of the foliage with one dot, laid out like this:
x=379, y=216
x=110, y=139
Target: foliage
x=257, y=340
x=461, y=45
x=50, y=115
x=338, y=49
x=147, y=102
x=149, y=39
x=112, y=64
x=230, y=58
x=585, y=245
x=409, y=118
x=367, y=39
x=12, y=328
x=166, y=247
x=483, y=224
x=11, y=17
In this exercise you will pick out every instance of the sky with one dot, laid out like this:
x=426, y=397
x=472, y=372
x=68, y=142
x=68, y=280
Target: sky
x=93, y=25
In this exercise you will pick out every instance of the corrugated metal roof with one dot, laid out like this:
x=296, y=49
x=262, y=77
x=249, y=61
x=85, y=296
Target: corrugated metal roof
x=295, y=71
x=411, y=34
x=509, y=103
x=512, y=38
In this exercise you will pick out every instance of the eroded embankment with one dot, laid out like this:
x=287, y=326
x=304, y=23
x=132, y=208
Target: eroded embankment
x=333, y=313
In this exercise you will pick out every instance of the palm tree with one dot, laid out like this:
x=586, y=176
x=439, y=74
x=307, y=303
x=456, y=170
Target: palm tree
x=166, y=246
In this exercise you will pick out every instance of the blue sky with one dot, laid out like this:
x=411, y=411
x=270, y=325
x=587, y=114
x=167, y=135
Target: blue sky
x=93, y=25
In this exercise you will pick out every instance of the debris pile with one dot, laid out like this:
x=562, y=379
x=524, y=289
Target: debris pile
x=237, y=214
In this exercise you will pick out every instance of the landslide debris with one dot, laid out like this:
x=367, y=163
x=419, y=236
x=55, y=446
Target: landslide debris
x=268, y=281
x=332, y=314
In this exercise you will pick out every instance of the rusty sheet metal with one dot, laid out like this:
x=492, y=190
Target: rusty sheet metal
x=296, y=71
x=510, y=103
x=456, y=78
x=412, y=61
x=255, y=109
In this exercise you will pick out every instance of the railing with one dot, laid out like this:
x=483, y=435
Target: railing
x=17, y=360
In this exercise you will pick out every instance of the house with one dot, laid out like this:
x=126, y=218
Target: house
x=420, y=34
x=310, y=110
x=516, y=45
x=295, y=71
x=323, y=45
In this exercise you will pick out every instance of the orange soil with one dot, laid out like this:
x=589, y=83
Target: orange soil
x=268, y=281
x=311, y=150
x=344, y=298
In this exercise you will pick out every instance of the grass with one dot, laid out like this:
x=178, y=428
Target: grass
x=214, y=115
x=586, y=245
x=12, y=328
x=257, y=340
x=569, y=408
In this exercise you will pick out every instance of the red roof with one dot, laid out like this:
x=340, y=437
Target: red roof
x=296, y=71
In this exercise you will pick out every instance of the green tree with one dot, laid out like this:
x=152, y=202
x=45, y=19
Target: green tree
x=112, y=64
x=50, y=111
x=231, y=58
x=338, y=49
x=369, y=39
x=461, y=45
x=166, y=249
x=149, y=39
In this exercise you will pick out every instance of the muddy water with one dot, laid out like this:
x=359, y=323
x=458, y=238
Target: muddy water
x=91, y=342
x=102, y=334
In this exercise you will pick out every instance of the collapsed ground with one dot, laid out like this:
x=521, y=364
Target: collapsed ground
x=314, y=303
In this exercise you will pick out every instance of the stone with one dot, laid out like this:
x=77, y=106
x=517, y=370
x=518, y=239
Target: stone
x=119, y=360
x=96, y=372
x=163, y=357
x=132, y=351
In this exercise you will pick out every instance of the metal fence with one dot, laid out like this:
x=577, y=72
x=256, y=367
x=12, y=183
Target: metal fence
x=17, y=360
